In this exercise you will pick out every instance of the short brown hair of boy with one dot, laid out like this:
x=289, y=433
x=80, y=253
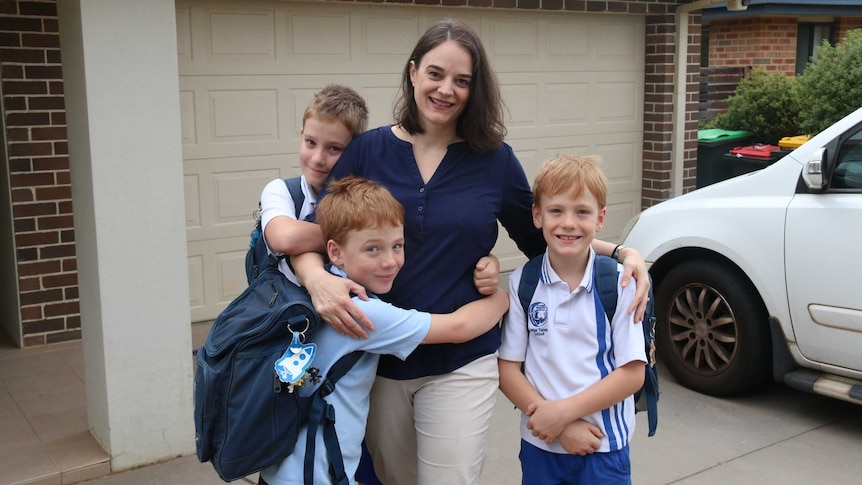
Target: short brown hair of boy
x=339, y=103
x=353, y=204
x=562, y=174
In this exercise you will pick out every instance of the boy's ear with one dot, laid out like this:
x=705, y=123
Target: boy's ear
x=601, y=221
x=334, y=252
x=537, y=216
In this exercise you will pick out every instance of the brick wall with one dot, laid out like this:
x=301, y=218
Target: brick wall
x=716, y=85
x=658, y=106
x=32, y=98
x=768, y=42
x=35, y=123
x=843, y=24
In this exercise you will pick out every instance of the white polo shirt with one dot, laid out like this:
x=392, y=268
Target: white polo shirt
x=276, y=201
x=565, y=351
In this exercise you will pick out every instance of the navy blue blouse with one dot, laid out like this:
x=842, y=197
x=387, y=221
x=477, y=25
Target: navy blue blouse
x=450, y=223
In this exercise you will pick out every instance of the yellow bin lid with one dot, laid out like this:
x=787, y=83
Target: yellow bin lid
x=793, y=141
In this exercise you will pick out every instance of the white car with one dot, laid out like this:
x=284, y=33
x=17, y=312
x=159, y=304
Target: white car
x=761, y=275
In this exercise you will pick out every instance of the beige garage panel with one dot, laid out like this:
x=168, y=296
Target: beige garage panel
x=573, y=83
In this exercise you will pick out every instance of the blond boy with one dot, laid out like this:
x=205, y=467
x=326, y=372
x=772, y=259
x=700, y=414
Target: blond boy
x=580, y=370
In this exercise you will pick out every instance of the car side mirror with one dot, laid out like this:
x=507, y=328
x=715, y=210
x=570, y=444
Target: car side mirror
x=812, y=173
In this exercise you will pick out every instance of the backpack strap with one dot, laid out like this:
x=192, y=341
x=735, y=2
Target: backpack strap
x=323, y=414
x=294, y=187
x=605, y=281
x=651, y=390
x=528, y=283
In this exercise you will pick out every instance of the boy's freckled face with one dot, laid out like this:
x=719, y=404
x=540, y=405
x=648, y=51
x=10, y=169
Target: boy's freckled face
x=371, y=257
x=568, y=222
x=322, y=143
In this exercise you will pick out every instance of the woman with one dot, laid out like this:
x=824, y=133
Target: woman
x=446, y=162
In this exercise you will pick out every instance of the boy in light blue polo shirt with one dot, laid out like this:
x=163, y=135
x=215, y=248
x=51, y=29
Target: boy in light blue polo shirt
x=363, y=227
x=579, y=370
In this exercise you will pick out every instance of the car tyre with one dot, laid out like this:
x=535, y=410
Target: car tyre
x=711, y=329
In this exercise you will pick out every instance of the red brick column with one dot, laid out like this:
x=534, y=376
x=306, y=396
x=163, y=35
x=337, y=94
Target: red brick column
x=658, y=106
x=35, y=124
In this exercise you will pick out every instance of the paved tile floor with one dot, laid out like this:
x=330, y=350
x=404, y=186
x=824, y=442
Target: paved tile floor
x=44, y=436
x=43, y=417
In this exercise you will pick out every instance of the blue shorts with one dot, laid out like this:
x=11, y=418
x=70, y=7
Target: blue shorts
x=365, y=472
x=540, y=467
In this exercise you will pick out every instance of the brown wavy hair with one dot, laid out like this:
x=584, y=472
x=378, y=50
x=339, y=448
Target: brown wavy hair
x=481, y=122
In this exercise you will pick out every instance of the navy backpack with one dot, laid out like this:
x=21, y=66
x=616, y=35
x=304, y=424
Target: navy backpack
x=246, y=416
x=605, y=279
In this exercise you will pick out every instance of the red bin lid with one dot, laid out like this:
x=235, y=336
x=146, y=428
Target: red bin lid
x=755, y=151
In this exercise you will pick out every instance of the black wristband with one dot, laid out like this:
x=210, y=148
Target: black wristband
x=616, y=253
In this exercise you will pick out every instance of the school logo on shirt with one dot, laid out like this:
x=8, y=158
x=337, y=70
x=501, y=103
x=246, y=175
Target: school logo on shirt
x=538, y=318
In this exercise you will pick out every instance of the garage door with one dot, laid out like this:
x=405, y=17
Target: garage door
x=573, y=83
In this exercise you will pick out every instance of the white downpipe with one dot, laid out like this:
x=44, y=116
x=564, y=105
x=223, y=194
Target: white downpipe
x=679, y=94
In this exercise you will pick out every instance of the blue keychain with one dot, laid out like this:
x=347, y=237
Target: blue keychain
x=291, y=367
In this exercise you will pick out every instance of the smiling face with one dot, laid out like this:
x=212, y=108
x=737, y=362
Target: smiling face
x=569, y=222
x=441, y=84
x=321, y=145
x=371, y=257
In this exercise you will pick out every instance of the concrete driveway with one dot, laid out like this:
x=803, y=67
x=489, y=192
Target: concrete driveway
x=778, y=435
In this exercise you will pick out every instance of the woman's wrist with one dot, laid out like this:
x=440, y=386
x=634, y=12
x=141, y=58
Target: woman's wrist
x=306, y=266
x=621, y=252
x=617, y=252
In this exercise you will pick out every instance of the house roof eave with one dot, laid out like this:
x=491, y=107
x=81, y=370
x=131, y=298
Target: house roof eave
x=788, y=7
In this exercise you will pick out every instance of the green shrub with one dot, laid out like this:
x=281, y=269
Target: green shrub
x=766, y=104
x=831, y=86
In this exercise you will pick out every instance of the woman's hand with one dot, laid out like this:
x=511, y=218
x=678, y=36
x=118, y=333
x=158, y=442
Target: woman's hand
x=330, y=295
x=486, y=276
x=634, y=266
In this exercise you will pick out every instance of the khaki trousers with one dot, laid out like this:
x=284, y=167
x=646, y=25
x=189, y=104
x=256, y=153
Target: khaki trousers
x=433, y=430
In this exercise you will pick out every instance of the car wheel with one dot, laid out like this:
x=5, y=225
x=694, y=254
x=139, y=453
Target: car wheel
x=711, y=329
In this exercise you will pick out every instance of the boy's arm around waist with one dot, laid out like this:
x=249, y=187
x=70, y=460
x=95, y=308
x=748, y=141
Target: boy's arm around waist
x=468, y=322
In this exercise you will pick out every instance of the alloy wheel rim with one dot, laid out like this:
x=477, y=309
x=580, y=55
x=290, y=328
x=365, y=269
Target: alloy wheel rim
x=702, y=329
